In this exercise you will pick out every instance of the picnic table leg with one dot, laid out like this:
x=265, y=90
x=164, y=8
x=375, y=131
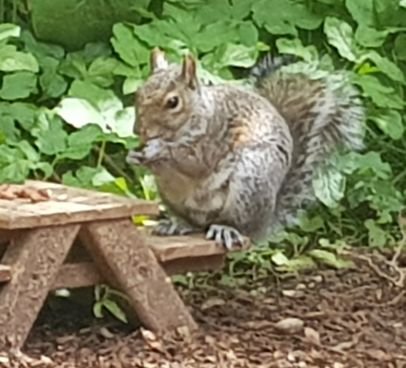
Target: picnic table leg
x=121, y=253
x=35, y=257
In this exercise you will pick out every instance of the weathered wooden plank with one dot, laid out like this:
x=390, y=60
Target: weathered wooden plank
x=84, y=274
x=167, y=248
x=5, y=273
x=77, y=275
x=35, y=257
x=132, y=266
x=69, y=205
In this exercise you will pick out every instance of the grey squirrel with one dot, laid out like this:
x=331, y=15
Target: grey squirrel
x=234, y=161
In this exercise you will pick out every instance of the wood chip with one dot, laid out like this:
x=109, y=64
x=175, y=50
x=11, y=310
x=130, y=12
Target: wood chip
x=290, y=325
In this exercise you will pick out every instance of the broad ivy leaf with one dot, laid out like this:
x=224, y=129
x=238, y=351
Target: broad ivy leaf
x=18, y=85
x=81, y=142
x=123, y=122
x=329, y=186
x=390, y=122
x=53, y=84
x=15, y=172
x=101, y=71
x=295, y=47
x=340, y=35
x=78, y=112
x=128, y=46
x=9, y=30
x=381, y=95
x=29, y=151
x=23, y=113
x=238, y=55
x=12, y=60
x=216, y=34
x=53, y=140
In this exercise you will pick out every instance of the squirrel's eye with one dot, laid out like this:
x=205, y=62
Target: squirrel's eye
x=172, y=102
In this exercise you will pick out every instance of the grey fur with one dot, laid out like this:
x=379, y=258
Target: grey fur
x=236, y=162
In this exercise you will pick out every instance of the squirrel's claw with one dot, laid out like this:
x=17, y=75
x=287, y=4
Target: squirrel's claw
x=225, y=236
x=170, y=227
x=135, y=157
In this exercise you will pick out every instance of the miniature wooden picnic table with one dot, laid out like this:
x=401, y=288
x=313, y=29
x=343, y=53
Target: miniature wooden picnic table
x=81, y=238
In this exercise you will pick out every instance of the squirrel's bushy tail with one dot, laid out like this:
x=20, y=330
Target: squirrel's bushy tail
x=323, y=112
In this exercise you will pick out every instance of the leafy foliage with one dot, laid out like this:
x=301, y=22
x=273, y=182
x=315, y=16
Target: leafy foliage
x=66, y=114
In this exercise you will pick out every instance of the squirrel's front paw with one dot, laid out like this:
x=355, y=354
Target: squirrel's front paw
x=171, y=227
x=135, y=158
x=225, y=236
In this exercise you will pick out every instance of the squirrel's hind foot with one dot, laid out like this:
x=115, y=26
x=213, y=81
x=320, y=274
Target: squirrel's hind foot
x=171, y=228
x=225, y=236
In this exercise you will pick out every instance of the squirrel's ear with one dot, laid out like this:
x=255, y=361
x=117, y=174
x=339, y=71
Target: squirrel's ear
x=158, y=60
x=189, y=74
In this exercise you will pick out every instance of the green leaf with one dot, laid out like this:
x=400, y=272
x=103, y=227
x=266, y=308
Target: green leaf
x=128, y=46
x=362, y=11
x=23, y=113
x=216, y=34
x=289, y=15
x=81, y=142
x=101, y=71
x=238, y=55
x=340, y=35
x=381, y=95
x=248, y=33
x=385, y=66
x=98, y=309
x=377, y=236
x=53, y=140
x=311, y=224
x=115, y=310
x=329, y=258
x=279, y=258
x=18, y=85
x=16, y=172
x=12, y=60
x=40, y=49
x=390, y=122
x=369, y=37
x=78, y=112
x=9, y=30
x=53, y=84
x=400, y=46
x=365, y=163
x=295, y=47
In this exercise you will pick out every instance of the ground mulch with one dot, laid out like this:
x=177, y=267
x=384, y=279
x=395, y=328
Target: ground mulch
x=325, y=318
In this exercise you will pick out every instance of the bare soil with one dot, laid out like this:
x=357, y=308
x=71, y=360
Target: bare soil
x=325, y=318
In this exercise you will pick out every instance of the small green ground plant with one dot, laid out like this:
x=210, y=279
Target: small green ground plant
x=68, y=71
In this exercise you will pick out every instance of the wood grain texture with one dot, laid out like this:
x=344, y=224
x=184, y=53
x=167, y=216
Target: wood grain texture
x=118, y=248
x=35, y=257
x=168, y=248
x=69, y=205
x=84, y=274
